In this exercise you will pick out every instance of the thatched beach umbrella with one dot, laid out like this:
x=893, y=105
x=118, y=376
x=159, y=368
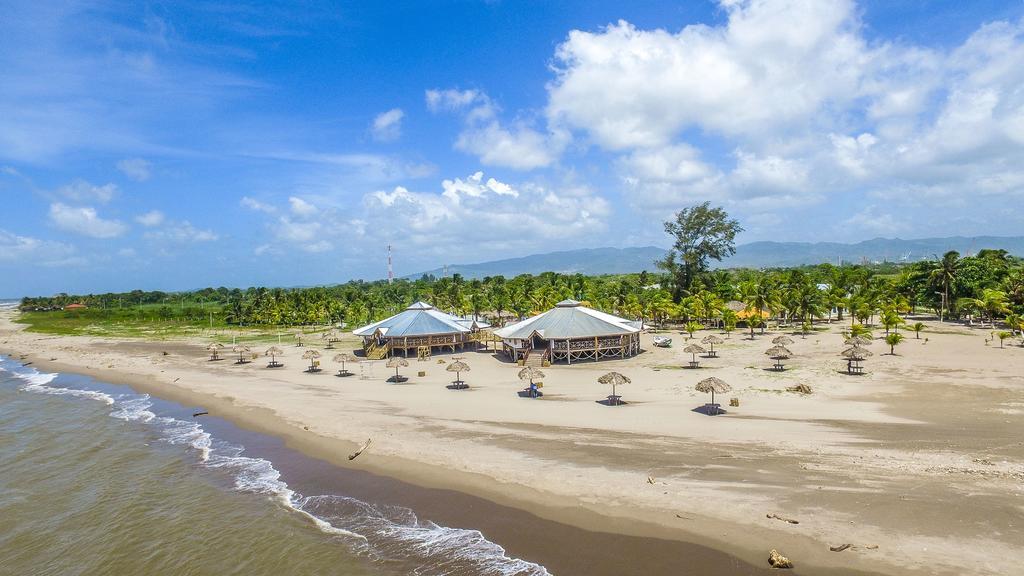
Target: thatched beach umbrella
x=241, y=350
x=782, y=340
x=273, y=352
x=713, y=385
x=856, y=353
x=529, y=373
x=458, y=367
x=343, y=358
x=397, y=362
x=858, y=341
x=778, y=352
x=694, y=349
x=298, y=338
x=615, y=379
x=312, y=356
x=711, y=340
x=214, y=349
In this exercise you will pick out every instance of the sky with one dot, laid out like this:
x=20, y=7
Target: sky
x=178, y=145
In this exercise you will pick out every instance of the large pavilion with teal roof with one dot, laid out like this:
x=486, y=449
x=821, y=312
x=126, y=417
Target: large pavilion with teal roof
x=418, y=326
x=571, y=332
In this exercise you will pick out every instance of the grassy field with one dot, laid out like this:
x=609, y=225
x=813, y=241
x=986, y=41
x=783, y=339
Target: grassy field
x=144, y=323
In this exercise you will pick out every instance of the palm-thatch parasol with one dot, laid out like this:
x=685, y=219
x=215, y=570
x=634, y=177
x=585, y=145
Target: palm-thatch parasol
x=214, y=349
x=343, y=358
x=713, y=385
x=397, y=362
x=615, y=379
x=241, y=350
x=858, y=341
x=331, y=336
x=529, y=373
x=856, y=353
x=458, y=367
x=778, y=352
x=694, y=349
x=273, y=352
x=312, y=356
x=711, y=340
x=782, y=340
x=298, y=338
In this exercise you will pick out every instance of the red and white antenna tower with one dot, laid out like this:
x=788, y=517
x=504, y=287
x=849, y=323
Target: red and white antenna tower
x=391, y=271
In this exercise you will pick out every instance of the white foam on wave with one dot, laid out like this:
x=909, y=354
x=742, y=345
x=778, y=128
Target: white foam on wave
x=38, y=382
x=395, y=532
x=134, y=409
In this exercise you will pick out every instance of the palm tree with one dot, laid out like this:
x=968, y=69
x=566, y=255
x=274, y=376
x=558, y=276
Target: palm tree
x=945, y=273
x=917, y=327
x=759, y=296
x=893, y=340
x=1003, y=336
x=692, y=327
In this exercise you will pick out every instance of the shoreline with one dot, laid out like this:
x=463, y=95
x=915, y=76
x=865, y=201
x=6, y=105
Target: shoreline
x=748, y=543
x=459, y=486
x=522, y=535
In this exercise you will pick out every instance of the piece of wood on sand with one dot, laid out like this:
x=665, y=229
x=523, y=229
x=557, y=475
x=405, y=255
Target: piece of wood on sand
x=365, y=445
x=784, y=519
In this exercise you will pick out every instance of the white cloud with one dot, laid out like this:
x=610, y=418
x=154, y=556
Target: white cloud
x=85, y=221
x=300, y=207
x=452, y=99
x=182, y=232
x=253, y=204
x=151, y=218
x=387, y=126
x=476, y=209
x=83, y=191
x=137, y=169
x=871, y=220
x=16, y=248
x=475, y=187
x=628, y=87
x=517, y=146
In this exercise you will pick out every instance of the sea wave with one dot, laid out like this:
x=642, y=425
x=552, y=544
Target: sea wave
x=36, y=381
x=382, y=533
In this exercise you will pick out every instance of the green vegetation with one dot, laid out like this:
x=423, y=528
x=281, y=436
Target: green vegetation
x=988, y=287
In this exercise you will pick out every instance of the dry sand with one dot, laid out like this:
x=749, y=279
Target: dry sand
x=918, y=464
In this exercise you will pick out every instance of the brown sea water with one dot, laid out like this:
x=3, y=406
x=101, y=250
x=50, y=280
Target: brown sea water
x=98, y=479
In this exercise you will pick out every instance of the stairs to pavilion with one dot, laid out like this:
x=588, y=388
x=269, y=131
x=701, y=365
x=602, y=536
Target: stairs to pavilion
x=536, y=358
x=376, y=351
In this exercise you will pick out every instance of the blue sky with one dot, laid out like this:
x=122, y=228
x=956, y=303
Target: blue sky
x=183, y=144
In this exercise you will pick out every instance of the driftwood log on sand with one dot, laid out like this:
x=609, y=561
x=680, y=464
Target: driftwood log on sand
x=365, y=445
x=776, y=560
x=786, y=520
x=839, y=548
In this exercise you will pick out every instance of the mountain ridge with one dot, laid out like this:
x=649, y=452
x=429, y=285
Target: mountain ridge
x=761, y=254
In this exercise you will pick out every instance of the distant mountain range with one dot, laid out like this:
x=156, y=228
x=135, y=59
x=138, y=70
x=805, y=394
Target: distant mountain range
x=592, y=261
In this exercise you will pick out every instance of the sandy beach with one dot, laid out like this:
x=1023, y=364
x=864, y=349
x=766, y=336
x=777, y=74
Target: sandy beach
x=918, y=464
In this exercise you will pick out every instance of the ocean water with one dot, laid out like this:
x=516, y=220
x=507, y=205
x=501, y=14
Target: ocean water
x=98, y=479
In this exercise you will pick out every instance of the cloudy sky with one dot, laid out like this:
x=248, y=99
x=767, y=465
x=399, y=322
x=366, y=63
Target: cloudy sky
x=183, y=144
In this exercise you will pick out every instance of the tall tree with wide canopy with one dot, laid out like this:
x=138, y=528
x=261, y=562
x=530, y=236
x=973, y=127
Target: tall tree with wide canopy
x=701, y=234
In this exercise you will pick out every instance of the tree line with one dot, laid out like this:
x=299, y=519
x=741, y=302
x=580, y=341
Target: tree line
x=987, y=287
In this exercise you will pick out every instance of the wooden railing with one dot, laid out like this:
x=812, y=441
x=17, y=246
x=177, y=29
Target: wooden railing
x=375, y=351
